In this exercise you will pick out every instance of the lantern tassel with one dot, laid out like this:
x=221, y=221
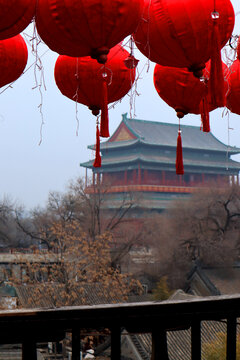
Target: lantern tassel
x=104, y=127
x=179, y=155
x=204, y=111
x=216, y=80
x=98, y=161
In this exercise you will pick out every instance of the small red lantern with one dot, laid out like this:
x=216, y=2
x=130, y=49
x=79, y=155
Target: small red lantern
x=13, y=59
x=95, y=85
x=86, y=27
x=179, y=89
x=15, y=15
x=184, y=93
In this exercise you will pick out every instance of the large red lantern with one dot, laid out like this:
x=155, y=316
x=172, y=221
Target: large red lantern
x=13, y=59
x=233, y=96
x=15, y=15
x=86, y=27
x=178, y=33
x=95, y=85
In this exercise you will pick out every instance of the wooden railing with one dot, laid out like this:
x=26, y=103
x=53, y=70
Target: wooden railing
x=32, y=326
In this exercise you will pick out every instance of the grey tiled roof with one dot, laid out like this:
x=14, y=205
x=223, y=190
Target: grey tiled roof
x=165, y=134
x=159, y=133
x=161, y=159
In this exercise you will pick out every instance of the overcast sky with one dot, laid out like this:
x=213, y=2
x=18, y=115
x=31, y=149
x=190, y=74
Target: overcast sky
x=28, y=171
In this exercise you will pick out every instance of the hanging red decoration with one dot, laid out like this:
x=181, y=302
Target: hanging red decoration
x=15, y=16
x=180, y=33
x=233, y=95
x=238, y=48
x=179, y=89
x=94, y=85
x=98, y=160
x=13, y=59
x=183, y=92
x=86, y=27
x=179, y=155
x=213, y=102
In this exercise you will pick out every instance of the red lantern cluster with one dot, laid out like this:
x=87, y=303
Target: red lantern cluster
x=15, y=15
x=86, y=27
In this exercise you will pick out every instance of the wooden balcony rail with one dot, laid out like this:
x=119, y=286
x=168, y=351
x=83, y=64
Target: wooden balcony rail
x=32, y=326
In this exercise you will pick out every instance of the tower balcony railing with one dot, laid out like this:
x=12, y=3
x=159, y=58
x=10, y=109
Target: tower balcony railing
x=29, y=327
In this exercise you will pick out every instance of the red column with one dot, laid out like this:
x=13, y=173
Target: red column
x=134, y=176
x=98, y=178
x=145, y=176
x=163, y=178
x=125, y=177
x=139, y=174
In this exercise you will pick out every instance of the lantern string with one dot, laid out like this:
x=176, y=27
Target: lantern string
x=39, y=82
x=214, y=5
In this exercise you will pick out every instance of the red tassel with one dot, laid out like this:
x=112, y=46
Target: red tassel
x=179, y=157
x=204, y=111
x=98, y=161
x=216, y=80
x=104, y=130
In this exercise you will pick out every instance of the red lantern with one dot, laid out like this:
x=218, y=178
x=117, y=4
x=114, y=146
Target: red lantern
x=179, y=89
x=233, y=95
x=86, y=27
x=185, y=93
x=179, y=33
x=15, y=15
x=94, y=85
x=13, y=59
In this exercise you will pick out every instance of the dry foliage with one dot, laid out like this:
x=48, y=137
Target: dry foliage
x=205, y=227
x=76, y=271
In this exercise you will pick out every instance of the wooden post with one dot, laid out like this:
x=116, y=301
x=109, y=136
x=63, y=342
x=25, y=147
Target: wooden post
x=163, y=178
x=116, y=343
x=159, y=345
x=145, y=176
x=86, y=179
x=76, y=344
x=196, y=340
x=29, y=351
x=139, y=175
x=231, y=338
x=125, y=177
x=98, y=179
x=134, y=176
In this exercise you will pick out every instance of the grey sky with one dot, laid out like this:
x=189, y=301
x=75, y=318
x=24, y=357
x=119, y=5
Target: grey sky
x=29, y=171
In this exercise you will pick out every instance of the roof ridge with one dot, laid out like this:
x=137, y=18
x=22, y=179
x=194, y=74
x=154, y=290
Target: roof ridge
x=126, y=119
